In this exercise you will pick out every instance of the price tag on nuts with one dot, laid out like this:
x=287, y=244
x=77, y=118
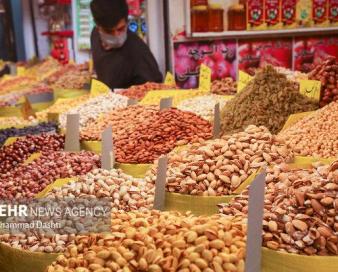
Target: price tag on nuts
x=310, y=88
x=243, y=80
x=98, y=88
x=169, y=79
x=205, y=78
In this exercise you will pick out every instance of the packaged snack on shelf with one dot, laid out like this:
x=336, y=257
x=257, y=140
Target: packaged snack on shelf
x=333, y=12
x=255, y=15
x=273, y=14
x=320, y=13
x=304, y=13
x=288, y=11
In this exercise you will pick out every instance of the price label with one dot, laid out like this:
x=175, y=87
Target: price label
x=91, y=65
x=205, y=78
x=243, y=80
x=98, y=88
x=169, y=79
x=310, y=88
x=20, y=71
x=26, y=109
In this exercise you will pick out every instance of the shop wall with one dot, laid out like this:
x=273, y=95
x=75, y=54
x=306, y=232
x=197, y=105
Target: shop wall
x=298, y=53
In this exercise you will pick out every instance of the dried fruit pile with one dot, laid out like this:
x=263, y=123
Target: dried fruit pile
x=267, y=100
x=139, y=91
x=315, y=135
x=144, y=133
x=218, y=167
x=159, y=241
x=300, y=210
x=224, y=86
x=327, y=74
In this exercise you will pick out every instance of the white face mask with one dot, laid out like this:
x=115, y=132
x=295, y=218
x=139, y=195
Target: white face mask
x=110, y=41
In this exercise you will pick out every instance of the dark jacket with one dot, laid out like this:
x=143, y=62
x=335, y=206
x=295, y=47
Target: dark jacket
x=132, y=64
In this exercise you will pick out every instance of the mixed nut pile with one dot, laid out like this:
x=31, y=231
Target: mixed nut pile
x=218, y=167
x=267, y=100
x=144, y=133
x=159, y=241
x=327, y=74
x=315, y=135
x=13, y=121
x=300, y=210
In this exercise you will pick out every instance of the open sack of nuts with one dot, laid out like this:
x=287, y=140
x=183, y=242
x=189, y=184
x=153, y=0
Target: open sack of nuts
x=159, y=241
x=218, y=167
x=267, y=100
x=315, y=135
x=300, y=209
x=142, y=134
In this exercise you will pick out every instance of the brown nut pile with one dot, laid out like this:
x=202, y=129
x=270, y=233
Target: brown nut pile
x=300, y=210
x=267, y=100
x=144, y=133
x=327, y=74
x=159, y=241
x=224, y=86
x=127, y=193
x=218, y=167
x=315, y=135
x=139, y=91
x=13, y=155
x=28, y=180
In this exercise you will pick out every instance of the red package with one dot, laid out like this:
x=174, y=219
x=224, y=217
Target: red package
x=333, y=11
x=255, y=13
x=320, y=11
x=289, y=13
x=272, y=12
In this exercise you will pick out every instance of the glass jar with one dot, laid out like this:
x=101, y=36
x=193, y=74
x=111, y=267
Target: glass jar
x=199, y=19
x=237, y=17
x=194, y=3
x=216, y=18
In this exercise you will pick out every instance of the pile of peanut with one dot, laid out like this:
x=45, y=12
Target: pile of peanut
x=327, y=74
x=144, y=133
x=203, y=106
x=127, y=193
x=94, y=107
x=218, y=167
x=13, y=121
x=159, y=241
x=315, y=135
x=300, y=210
x=224, y=86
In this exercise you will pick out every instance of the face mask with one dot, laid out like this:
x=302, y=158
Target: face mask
x=110, y=41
